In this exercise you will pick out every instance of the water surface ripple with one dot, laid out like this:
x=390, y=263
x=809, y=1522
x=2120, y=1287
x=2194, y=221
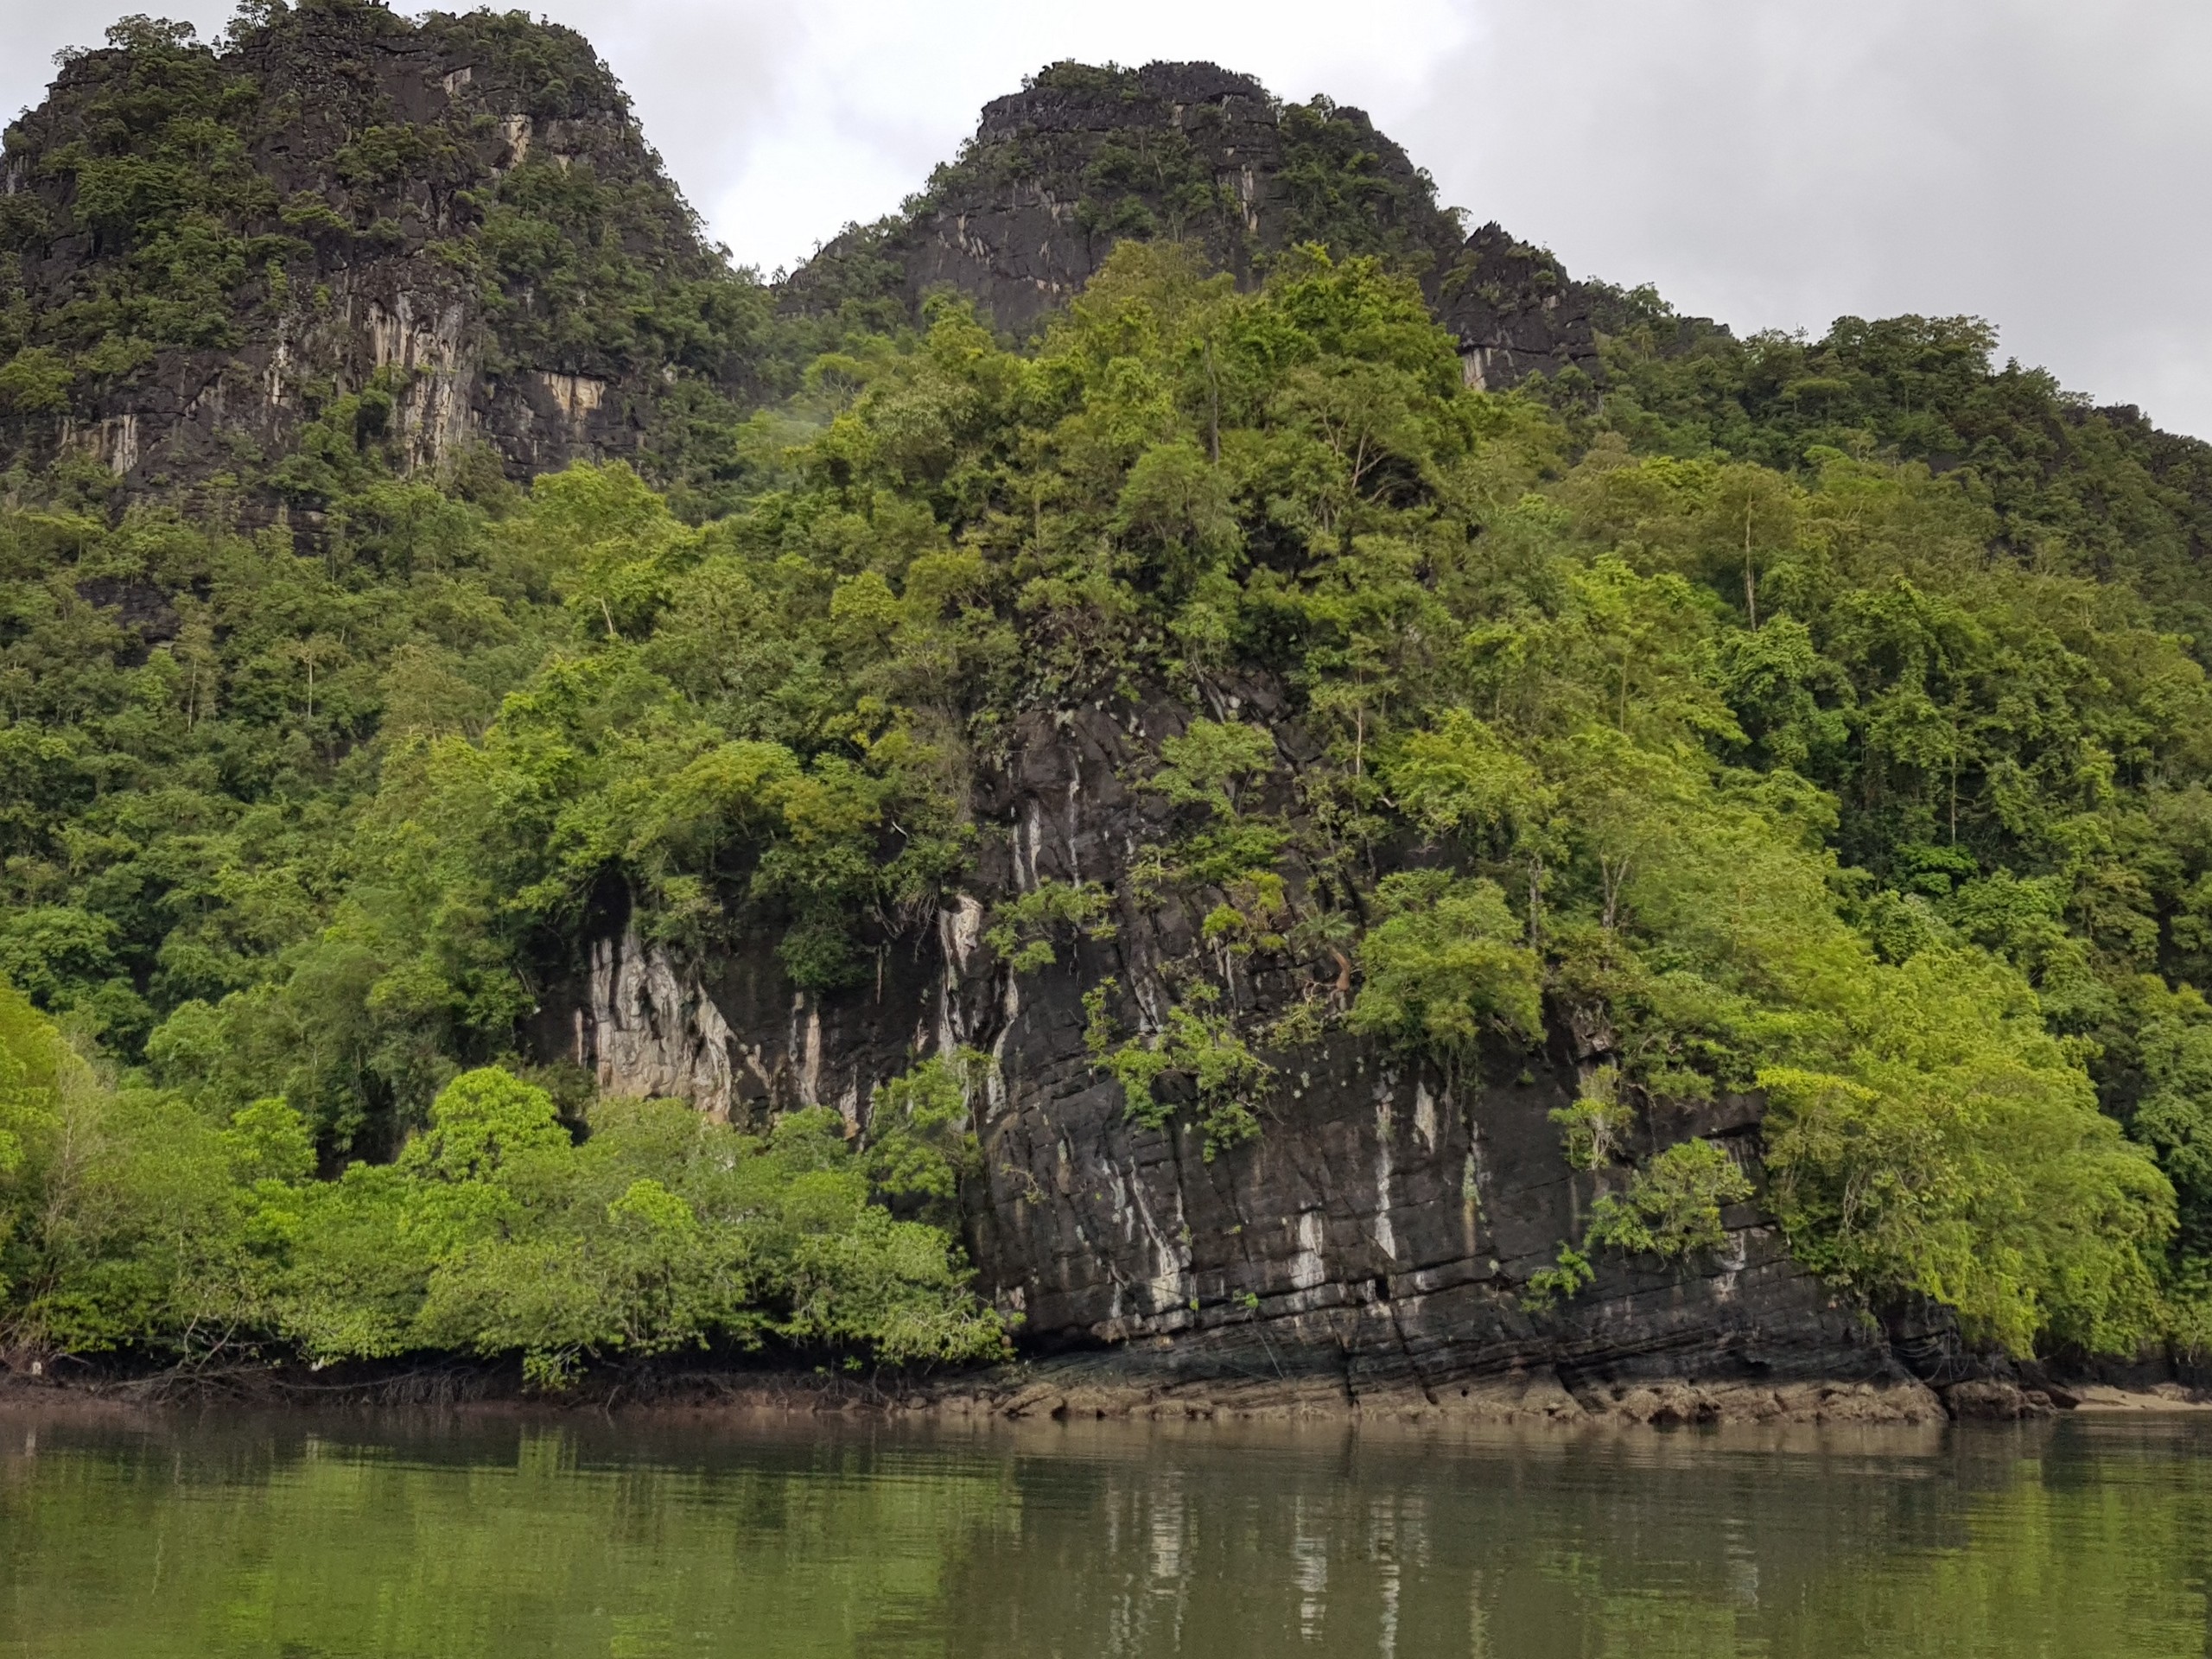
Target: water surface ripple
x=447, y=1538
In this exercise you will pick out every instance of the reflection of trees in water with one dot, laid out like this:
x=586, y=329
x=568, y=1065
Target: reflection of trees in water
x=2090, y=1549
x=575, y=1537
x=521, y=1540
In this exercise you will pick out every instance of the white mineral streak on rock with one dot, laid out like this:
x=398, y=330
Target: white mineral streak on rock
x=118, y=444
x=1170, y=1284
x=1425, y=1116
x=278, y=379
x=516, y=130
x=1383, y=1235
x=390, y=336
x=1028, y=838
x=1470, y=1195
x=994, y=1094
x=431, y=347
x=114, y=441
x=656, y=1033
x=1307, y=1270
x=577, y=395
x=211, y=401
x=759, y=1068
x=1075, y=822
x=1122, y=1212
x=961, y=928
x=1730, y=1260
x=1149, y=1005
x=809, y=1066
x=958, y=932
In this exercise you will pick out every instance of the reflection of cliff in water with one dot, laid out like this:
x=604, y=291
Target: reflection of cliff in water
x=560, y=1536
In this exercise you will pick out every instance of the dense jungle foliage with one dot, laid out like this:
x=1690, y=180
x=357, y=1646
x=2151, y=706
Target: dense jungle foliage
x=1824, y=719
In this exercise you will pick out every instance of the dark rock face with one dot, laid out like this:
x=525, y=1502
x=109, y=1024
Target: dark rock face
x=1515, y=313
x=1377, y=1237
x=1059, y=173
x=362, y=156
x=2001, y=1403
x=1374, y=1240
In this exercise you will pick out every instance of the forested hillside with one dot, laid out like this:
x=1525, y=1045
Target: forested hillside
x=457, y=220
x=1817, y=723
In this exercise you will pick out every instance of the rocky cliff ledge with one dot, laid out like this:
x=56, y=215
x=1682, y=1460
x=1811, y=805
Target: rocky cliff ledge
x=1372, y=1246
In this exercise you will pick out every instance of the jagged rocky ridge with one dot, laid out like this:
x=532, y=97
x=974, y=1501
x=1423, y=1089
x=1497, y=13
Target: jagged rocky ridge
x=460, y=218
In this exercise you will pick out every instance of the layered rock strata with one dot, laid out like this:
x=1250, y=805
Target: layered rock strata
x=1375, y=1242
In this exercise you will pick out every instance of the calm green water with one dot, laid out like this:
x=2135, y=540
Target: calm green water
x=424, y=1536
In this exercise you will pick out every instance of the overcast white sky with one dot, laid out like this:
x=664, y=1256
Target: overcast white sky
x=2045, y=163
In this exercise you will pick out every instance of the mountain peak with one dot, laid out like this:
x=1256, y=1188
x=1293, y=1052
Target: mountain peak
x=1085, y=156
x=204, y=250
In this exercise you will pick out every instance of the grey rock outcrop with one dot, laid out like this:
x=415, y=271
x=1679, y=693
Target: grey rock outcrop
x=648, y=1029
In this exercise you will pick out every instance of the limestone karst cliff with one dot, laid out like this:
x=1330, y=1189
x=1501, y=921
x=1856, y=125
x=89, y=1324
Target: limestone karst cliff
x=456, y=223
x=1440, y=827
x=1372, y=1244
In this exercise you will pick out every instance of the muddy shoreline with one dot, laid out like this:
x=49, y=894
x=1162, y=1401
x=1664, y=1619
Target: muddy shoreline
x=1079, y=1388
